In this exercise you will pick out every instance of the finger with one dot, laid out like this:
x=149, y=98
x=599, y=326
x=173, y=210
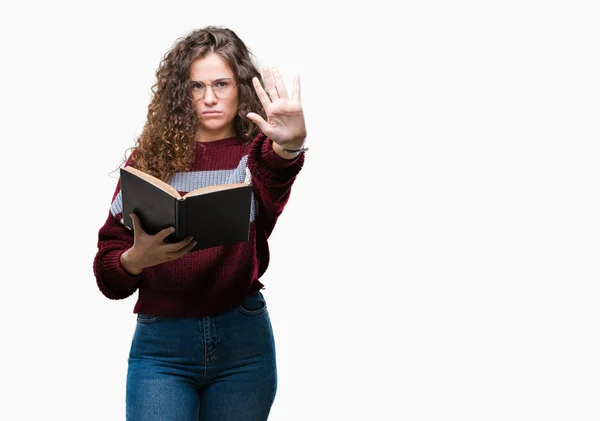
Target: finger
x=260, y=122
x=270, y=84
x=279, y=84
x=162, y=235
x=188, y=248
x=137, y=225
x=296, y=93
x=183, y=251
x=260, y=92
x=170, y=248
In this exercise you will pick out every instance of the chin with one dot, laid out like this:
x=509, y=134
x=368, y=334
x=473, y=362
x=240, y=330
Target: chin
x=216, y=125
x=214, y=129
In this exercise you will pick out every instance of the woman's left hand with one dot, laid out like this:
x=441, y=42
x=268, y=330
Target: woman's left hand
x=285, y=119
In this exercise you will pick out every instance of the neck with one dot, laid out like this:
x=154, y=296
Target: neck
x=205, y=136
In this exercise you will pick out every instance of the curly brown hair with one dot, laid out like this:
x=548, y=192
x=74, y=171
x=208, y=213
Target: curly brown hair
x=168, y=141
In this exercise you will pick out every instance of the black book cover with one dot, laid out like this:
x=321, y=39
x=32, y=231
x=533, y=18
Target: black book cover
x=214, y=216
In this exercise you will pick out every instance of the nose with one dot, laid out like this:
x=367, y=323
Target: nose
x=209, y=95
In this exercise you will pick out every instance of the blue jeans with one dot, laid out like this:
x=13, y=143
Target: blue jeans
x=215, y=368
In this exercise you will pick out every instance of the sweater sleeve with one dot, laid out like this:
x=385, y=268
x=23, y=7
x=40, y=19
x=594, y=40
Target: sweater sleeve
x=272, y=178
x=114, y=238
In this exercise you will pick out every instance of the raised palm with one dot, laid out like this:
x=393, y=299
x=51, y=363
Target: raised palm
x=285, y=123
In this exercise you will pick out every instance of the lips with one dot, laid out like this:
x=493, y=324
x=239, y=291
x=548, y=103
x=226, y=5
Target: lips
x=211, y=112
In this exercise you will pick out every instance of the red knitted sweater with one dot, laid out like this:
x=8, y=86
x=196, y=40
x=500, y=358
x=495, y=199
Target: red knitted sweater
x=207, y=281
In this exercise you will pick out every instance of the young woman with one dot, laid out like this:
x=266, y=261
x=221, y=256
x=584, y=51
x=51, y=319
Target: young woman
x=203, y=347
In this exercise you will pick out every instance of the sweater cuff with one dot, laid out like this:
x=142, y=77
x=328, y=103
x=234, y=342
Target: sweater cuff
x=116, y=275
x=269, y=165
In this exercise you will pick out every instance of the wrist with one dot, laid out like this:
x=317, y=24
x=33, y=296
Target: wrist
x=290, y=150
x=129, y=263
x=280, y=152
x=295, y=144
x=294, y=151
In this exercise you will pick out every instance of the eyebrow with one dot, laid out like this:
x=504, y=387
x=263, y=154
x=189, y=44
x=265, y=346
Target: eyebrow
x=213, y=81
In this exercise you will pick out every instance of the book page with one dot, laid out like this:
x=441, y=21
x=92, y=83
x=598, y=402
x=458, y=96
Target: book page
x=154, y=181
x=210, y=189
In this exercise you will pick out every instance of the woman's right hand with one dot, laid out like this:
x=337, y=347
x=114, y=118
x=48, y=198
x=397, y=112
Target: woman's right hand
x=149, y=250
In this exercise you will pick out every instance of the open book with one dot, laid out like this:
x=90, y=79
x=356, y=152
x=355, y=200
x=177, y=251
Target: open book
x=214, y=215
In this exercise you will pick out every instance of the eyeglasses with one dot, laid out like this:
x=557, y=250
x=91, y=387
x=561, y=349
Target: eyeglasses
x=222, y=88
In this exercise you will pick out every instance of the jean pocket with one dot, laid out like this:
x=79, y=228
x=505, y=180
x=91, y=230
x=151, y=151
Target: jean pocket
x=254, y=305
x=147, y=319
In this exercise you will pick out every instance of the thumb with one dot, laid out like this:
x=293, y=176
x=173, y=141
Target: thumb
x=259, y=121
x=137, y=226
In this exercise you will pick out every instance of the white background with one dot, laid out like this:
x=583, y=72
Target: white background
x=438, y=258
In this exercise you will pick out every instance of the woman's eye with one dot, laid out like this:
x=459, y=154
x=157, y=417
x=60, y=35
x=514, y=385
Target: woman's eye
x=196, y=85
x=222, y=84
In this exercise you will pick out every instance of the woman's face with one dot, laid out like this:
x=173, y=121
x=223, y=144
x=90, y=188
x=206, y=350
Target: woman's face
x=215, y=105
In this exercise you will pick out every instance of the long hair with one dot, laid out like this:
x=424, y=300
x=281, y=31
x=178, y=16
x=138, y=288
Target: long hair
x=168, y=140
